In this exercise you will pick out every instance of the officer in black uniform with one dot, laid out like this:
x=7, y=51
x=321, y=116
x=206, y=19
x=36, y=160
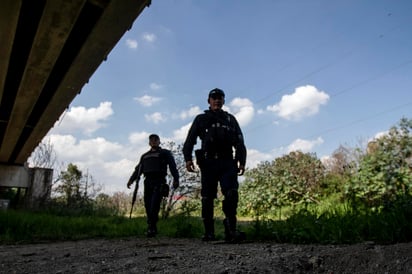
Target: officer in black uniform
x=219, y=133
x=153, y=164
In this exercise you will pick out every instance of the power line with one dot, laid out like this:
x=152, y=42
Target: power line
x=349, y=124
x=360, y=83
x=377, y=76
x=362, y=119
x=330, y=64
x=311, y=73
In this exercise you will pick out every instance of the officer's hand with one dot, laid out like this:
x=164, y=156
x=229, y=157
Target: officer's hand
x=175, y=184
x=129, y=184
x=241, y=170
x=190, y=166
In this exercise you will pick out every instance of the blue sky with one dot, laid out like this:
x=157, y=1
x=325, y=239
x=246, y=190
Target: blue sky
x=298, y=75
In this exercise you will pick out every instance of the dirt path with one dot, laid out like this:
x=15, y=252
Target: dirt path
x=165, y=255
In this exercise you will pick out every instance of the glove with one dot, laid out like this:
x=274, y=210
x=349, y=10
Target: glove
x=190, y=166
x=241, y=170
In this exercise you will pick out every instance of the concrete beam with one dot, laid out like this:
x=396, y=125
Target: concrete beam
x=52, y=33
x=116, y=19
x=48, y=51
x=14, y=176
x=9, y=16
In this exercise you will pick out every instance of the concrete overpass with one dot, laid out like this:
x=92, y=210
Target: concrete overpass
x=48, y=51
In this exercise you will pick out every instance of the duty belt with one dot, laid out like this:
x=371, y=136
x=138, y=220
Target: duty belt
x=209, y=155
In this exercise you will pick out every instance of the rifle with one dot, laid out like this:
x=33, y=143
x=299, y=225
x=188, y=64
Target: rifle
x=136, y=187
x=135, y=176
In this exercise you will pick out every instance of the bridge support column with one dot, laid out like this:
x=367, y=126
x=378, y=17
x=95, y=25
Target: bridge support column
x=36, y=183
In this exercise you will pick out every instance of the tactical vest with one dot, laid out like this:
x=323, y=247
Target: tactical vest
x=219, y=134
x=154, y=162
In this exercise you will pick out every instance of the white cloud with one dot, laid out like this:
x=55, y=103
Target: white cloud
x=109, y=163
x=147, y=100
x=84, y=150
x=84, y=120
x=120, y=171
x=328, y=161
x=138, y=137
x=304, y=145
x=180, y=134
x=155, y=117
x=243, y=110
x=305, y=101
x=131, y=43
x=155, y=86
x=254, y=157
x=149, y=37
x=192, y=112
x=63, y=145
x=380, y=135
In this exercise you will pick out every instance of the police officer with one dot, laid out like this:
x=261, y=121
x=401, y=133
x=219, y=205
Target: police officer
x=153, y=164
x=222, y=158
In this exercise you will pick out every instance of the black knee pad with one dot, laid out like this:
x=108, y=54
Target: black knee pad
x=232, y=196
x=229, y=204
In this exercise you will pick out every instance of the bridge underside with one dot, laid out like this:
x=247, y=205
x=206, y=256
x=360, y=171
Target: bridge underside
x=48, y=51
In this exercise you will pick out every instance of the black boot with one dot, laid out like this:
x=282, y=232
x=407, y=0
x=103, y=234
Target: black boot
x=233, y=235
x=209, y=230
x=208, y=221
x=151, y=230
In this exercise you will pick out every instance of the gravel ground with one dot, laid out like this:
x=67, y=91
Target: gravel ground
x=167, y=255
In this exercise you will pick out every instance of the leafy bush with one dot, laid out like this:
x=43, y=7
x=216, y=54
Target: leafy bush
x=290, y=180
x=385, y=171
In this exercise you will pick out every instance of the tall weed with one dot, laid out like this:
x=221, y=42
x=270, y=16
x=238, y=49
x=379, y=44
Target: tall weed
x=330, y=223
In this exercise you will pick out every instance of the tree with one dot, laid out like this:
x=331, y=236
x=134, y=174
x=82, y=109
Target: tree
x=259, y=191
x=343, y=161
x=117, y=204
x=301, y=175
x=385, y=171
x=289, y=180
x=74, y=187
x=69, y=188
x=339, y=167
x=44, y=155
x=189, y=184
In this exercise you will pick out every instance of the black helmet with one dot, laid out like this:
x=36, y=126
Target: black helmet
x=216, y=92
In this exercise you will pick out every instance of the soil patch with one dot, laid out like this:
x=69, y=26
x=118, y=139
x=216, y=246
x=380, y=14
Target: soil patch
x=167, y=255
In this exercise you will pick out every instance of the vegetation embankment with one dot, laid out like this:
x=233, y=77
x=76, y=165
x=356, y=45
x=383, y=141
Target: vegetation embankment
x=357, y=195
x=343, y=226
